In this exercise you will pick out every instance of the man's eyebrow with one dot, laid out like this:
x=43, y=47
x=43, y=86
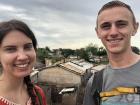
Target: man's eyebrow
x=122, y=21
x=105, y=23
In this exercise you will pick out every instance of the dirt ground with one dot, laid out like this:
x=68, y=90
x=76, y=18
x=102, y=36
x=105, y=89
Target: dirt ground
x=67, y=100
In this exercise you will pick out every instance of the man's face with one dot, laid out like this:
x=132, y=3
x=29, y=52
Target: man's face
x=115, y=27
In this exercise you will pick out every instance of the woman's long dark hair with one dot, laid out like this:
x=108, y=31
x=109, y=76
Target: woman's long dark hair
x=8, y=26
x=29, y=84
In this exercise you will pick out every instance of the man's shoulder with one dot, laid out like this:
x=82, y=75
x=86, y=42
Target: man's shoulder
x=97, y=75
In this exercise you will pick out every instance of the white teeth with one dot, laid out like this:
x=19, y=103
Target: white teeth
x=21, y=65
x=114, y=40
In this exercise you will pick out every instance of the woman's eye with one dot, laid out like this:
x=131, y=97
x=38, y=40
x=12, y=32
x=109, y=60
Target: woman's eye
x=28, y=46
x=10, y=49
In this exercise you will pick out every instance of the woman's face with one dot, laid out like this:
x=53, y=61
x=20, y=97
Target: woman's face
x=17, y=54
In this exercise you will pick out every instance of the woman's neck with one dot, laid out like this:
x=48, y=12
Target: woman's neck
x=10, y=84
x=14, y=90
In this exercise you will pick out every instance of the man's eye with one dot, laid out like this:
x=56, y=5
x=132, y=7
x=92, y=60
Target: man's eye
x=105, y=26
x=121, y=24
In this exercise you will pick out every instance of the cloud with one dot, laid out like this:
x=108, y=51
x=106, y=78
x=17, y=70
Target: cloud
x=60, y=23
x=10, y=8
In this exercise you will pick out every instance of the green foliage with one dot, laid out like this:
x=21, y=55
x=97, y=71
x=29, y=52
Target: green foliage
x=92, y=49
x=42, y=54
x=59, y=54
x=82, y=54
x=67, y=52
x=47, y=49
x=101, y=52
x=95, y=50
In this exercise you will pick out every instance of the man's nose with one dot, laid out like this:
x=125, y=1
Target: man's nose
x=113, y=30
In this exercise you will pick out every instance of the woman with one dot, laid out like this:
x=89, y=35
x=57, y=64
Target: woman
x=17, y=56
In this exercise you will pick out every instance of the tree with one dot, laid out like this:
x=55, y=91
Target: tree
x=47, y=49
x=92, y=49
x=67, y=52
x=101, y=51
x=83, y=54
x=42, y=54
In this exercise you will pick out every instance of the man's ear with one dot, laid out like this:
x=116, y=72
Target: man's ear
x=97, y=32
x=136, y=26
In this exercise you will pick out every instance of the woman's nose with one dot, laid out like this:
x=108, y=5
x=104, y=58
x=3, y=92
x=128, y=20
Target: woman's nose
x=22, y=55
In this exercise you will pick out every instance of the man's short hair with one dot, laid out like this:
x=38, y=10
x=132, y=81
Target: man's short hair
x=117, y=3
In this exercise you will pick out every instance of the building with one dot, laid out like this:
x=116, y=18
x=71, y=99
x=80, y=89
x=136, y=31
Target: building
x=64, y=81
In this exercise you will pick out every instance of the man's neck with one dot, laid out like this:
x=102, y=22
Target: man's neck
x=123, y=60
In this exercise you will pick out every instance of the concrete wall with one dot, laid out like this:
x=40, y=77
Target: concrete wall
x=57, y=75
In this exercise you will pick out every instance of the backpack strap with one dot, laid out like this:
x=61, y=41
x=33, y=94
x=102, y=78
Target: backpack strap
x=97, y=86
x=119, y=91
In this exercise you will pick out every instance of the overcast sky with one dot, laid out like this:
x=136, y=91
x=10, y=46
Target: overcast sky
x=62, y=23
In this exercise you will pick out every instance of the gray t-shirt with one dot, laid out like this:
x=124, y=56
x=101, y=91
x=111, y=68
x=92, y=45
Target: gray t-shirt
x=126, y=77
x=112, y=78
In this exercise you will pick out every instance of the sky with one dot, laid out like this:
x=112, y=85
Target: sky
x=62, y=23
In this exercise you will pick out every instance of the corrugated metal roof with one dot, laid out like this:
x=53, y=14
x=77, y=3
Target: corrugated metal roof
x=99, y=67
x=72, y=68
x=78, y=66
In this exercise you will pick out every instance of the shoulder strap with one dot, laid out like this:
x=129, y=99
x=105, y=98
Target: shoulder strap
x=97, y=86
x=119, y=91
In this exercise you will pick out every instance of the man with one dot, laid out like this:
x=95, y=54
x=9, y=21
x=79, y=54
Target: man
x=116, y=24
